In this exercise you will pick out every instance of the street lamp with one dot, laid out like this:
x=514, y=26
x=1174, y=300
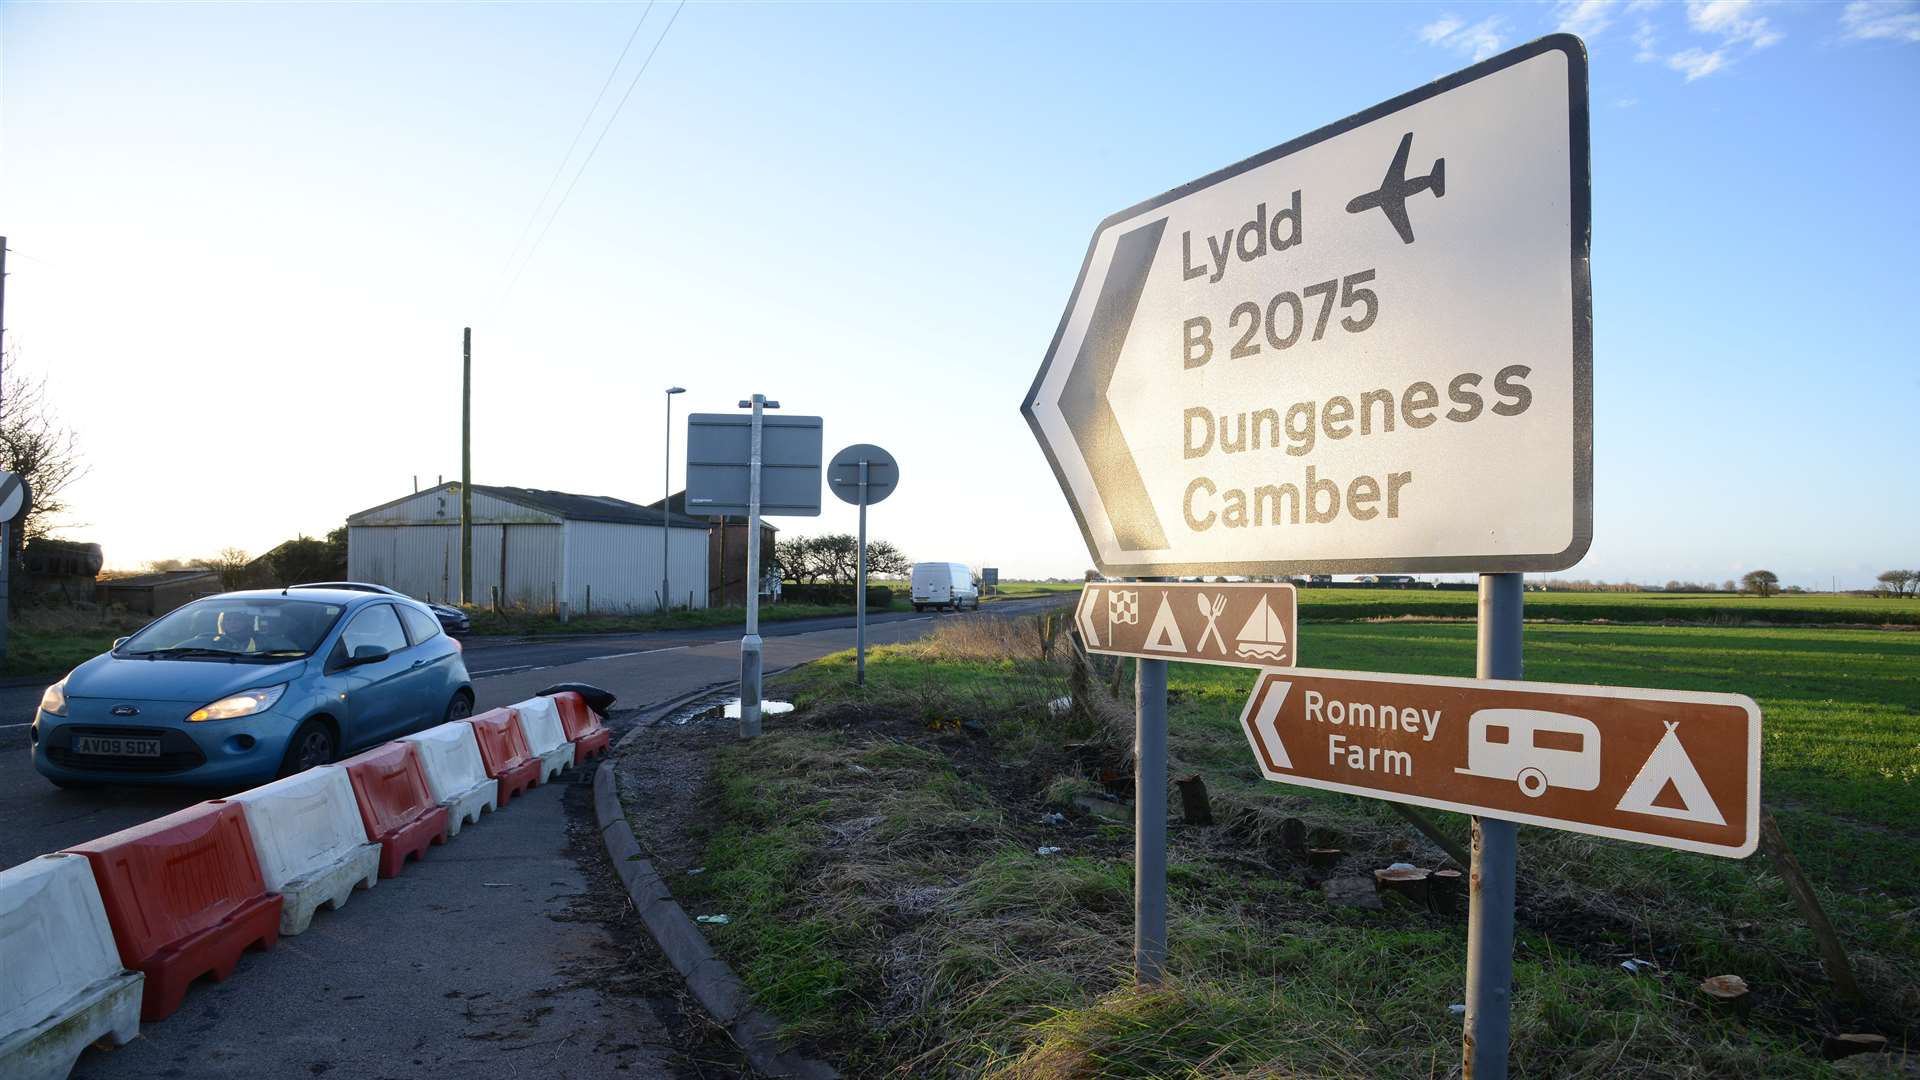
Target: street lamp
x=666, y=503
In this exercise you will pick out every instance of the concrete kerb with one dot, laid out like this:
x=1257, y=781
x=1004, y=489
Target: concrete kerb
x=711, y=981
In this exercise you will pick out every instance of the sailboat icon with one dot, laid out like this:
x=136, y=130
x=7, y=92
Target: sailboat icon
x=1264, y=635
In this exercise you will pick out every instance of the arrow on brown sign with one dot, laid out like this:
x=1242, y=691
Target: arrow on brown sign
x=1240, y=624
x=1663, y=767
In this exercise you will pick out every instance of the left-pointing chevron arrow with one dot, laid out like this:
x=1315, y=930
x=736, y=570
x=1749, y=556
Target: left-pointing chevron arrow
x=1082, y=398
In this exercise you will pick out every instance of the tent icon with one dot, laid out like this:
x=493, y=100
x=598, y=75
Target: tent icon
x=1669, y=778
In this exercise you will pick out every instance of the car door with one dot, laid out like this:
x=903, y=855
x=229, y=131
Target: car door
x=434, y=670
x=380, y=696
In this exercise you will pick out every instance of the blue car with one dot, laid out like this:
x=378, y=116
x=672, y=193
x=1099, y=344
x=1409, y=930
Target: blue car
x=240, y=688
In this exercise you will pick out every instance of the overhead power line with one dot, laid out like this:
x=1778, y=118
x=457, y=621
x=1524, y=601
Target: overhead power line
x=558, y=170
x=588, y=160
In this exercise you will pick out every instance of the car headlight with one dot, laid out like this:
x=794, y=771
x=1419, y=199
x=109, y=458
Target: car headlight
x=244, y=703
x=54, y=701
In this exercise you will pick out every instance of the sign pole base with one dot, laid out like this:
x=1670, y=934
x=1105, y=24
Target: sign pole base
x=750, y=686
x=1495, y=862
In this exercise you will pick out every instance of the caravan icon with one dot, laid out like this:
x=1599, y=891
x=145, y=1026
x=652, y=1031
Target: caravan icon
x=1534, y=749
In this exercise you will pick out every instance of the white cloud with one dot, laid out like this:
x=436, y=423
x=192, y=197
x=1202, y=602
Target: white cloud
x=1698, y=63
x=1634, y=6
x=1441, y=29
x=1479, y=41
x=1732, y=20
x=1897, y=20
x=1644, y=40
x=1584, y=17
x=1626, y=103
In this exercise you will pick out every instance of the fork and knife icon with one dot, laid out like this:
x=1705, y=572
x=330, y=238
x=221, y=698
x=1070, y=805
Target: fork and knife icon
x=1211, y=608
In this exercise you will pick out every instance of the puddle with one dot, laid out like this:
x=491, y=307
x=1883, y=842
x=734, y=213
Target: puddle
x=713, y=710
x=767, y=708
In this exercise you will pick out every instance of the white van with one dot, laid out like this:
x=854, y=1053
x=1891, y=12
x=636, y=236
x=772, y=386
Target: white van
x=944, y=585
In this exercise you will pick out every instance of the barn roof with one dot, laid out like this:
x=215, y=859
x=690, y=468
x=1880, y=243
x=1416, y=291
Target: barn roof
x=561, y=504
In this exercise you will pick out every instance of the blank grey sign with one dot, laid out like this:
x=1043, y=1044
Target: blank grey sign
x=718, y=445
x=843, y=476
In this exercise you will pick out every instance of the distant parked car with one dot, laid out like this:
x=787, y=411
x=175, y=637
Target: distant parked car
x=242, y=687
x=944, y=585
x=452, y=619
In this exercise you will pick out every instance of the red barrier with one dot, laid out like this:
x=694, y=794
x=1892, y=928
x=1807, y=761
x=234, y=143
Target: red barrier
x=184, y=897
x=504, y=751
x=589, y=737
x=396, y=805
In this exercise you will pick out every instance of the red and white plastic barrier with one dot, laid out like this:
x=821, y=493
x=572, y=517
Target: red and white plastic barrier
x=504, y=751
x=313, y=848
x=112, y=932
x=455, y=773
x=398, y=809
x=589, y=736
x=63, y=986
x=184, y=897
x=545, y=737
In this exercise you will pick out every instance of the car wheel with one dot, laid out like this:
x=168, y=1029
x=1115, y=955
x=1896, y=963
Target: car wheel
x=460, y=707
x=311, y=746
x=919, y=607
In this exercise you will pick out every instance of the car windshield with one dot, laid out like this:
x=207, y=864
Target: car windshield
x=235, y=628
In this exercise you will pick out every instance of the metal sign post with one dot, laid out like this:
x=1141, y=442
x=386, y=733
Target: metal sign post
x=1495, y=861
x=862, y=474
x=1150, y=822
x=747, y=466
x=750, y=644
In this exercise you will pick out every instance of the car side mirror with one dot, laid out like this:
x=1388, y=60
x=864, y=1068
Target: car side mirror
x=367, y=654
x=119, y=641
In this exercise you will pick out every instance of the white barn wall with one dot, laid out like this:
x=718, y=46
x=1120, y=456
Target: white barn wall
x=413, y=545
x=622, y=565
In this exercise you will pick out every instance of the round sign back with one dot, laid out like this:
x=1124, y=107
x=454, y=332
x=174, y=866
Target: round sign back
x=843, y=475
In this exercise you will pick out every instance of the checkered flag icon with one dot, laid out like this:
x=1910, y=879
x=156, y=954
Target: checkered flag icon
x=1123, y=607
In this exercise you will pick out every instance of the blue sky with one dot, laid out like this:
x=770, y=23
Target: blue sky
x=247, y=238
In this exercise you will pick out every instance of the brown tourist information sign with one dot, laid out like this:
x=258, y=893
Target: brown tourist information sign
x=1662, y=767
x=1246, y=624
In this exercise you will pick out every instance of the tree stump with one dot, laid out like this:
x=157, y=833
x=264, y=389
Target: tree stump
x=1195, y=807
x=1835, y=1047
x=1443, y=891
x=1324, y=858
x=1408, y=884
x=1293, y=836
x=1727, y=992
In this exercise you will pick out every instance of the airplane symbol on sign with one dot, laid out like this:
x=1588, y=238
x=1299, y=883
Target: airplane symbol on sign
x=1392, y=194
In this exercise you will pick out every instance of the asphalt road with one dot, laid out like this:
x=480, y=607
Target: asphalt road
x=36, y=817
x=509, y=950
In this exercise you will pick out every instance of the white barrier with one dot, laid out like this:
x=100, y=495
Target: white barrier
x=311, y=841
x=540, y=718
x=63, y=986
x=455, y=774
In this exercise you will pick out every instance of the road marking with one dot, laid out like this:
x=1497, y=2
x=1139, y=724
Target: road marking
x=4, y=727
x=642, y=652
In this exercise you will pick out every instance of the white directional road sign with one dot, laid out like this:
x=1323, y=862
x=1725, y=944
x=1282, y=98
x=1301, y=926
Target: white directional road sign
x=1369, y=348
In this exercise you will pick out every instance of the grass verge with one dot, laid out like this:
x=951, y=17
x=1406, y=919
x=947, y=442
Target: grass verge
x=879, y=855
x=53, y=641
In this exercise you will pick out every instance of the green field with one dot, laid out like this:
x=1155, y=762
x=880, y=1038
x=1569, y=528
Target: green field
x=888, y=901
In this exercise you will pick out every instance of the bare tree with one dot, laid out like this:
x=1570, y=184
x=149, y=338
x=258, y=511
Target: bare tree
x=233, y=565
x=1893, y=583
x=1763, y=583
x=37, y=446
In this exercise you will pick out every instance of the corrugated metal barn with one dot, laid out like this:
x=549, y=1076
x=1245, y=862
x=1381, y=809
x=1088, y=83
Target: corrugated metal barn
x=531, y=549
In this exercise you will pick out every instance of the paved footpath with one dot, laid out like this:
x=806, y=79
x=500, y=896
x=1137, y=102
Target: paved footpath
x=508, y=952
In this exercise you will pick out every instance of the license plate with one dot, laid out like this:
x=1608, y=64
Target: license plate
x=115, y=746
